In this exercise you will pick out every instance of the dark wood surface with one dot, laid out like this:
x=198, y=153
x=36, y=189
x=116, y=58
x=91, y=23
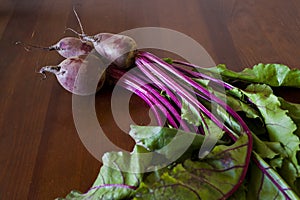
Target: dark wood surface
x=41, y=155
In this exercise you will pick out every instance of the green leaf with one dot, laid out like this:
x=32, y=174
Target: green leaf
x=280, y=126
x=114, y=187
x=155, y=138
x=281, y=131
x=239, y=106
x=212, y=132
x=262, y=148
x=172, y=144
x=112, y=182
x=290, y=174
x=271, y=74
x=275, y=75
x=288, y=169
x=210, y=178
x=293, y=112
x=191, y=114
x=168, y=60
x=266, y=183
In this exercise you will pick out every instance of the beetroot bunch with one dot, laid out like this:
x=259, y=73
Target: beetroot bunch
x=184, y=97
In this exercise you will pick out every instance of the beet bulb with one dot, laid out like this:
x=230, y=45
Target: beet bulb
x=118, y=49
x=67, y=47
x=80, y=76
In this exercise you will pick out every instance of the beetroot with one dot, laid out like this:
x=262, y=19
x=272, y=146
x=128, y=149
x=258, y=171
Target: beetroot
x=81, y=76
x=66, y=47
x=117, y=49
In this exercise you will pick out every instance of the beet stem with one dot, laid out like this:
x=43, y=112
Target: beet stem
x=198, y=74
x=150, y=90
x=117, y=75
x=147, y=56
x=138, y=90
x=146, y=70
x=164, y=101
x=159, y=83
x=183, y=93
x=200, y=88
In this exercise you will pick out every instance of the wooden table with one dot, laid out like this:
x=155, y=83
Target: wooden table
x=41, y=155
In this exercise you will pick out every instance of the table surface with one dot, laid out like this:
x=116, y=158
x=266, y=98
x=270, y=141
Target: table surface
x=41, y=154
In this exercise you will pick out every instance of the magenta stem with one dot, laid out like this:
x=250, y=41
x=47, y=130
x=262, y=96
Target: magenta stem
x=198, y=74
x=204, y=91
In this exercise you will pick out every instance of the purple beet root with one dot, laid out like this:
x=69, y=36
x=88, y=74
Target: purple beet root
x=66, y=47
x=79, y=76
x=119, y=49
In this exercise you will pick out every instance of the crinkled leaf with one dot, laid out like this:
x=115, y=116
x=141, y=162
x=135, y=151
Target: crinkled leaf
x=191, y=114
x=279, y=125
x=262, y=148
x=212, y=132
x=214, y=177
x=288, y=170
x=294, y=112
x=229, y=121
x=274, y=152
x=156, y=137
x=194, y=116
x=172, y=144
x=235, y=99
x=283, y=146
x=270, y=74
x=240, y=106
x=112, y=182
x=281, y=129
x=290, y=174
x=279, y=149
x=265, y=183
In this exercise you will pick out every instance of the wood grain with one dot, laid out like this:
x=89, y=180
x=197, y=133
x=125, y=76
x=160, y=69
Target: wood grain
x=41, y=155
